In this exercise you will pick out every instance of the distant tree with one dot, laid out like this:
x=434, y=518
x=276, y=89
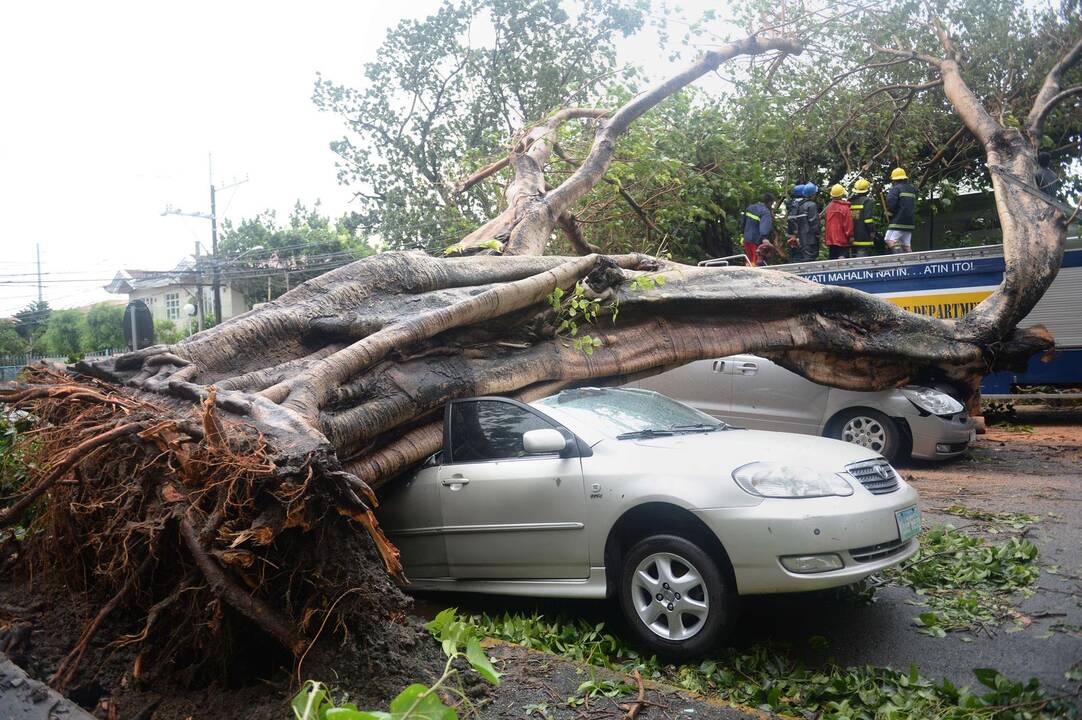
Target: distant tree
x=11, y=342
x=307, y=245
x=31, y=320
x=65, y=333
x=165, y=331
x=105, y=327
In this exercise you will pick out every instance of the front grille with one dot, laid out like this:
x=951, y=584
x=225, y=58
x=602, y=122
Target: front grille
x=871, y=553
x=876, y=475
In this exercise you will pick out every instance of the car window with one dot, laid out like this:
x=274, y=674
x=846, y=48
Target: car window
x=490, y=430
x=618, y=411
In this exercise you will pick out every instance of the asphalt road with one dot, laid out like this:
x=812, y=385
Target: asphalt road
x=1007, y=471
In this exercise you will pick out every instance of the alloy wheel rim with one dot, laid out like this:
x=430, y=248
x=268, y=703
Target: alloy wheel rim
x=866, y=432
x=670, y=596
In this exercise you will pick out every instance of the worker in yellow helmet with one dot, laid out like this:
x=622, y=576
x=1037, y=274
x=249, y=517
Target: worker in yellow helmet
x=902, y=212
x=861, y=205
x=839, y=224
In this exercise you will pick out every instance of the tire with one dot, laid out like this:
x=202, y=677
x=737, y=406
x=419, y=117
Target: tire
x=709, y=604
x=868, y=428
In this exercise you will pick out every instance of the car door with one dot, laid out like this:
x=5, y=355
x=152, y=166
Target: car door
x=705, y=385
x=508, y=514
x=766, y=396
x=410, y=515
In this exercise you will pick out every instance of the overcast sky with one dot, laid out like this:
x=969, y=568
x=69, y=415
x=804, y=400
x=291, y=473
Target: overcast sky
x=110, y=111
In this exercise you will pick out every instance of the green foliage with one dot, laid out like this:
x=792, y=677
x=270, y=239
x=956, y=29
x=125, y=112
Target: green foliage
x=575, y=308
x=1013, y=520
x=306, y=245
x=1014, y=427
x=419, y=702
x=31, y=320
x=166, y=331
x=435, y=105
x=765, y=677
x=104, y=327
x=65, y=333
x=598, y=688
x=439, y=99
x=966, y=581
x=17, y=452
x=11, y=342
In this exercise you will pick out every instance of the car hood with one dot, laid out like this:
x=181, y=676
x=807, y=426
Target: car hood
x=733, y=448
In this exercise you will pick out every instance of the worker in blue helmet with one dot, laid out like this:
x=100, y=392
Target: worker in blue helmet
x=792, y=217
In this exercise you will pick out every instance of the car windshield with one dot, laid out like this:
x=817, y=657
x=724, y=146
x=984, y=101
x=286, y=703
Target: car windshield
x=624, y=412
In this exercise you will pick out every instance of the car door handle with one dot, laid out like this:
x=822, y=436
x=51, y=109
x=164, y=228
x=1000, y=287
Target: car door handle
x=455, y=480
x=719, y=366
x=749, y=368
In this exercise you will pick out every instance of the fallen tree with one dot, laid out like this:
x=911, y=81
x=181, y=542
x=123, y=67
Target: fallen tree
x=228, y=482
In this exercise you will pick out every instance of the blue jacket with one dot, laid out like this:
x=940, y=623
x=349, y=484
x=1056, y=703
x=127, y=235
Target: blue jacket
x=757, y=223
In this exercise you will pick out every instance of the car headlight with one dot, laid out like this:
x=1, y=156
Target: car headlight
x=778, y=480
x=932, y=401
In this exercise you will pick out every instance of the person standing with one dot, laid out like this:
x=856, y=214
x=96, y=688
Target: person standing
x=792, y=221
x=839, y=224
x=808, y=226
x=758, y=223
x=901, y=211
x=862, y=205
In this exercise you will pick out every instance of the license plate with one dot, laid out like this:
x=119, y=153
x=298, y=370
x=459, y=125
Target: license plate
x=908, y=522
x=972, y=436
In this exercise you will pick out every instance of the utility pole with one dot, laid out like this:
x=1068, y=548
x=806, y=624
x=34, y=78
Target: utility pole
x=216, y=267
x=215, y=263
x=198, y=289
x=41, y=297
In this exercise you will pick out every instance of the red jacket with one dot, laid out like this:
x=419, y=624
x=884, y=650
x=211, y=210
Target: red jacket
x=839, y=223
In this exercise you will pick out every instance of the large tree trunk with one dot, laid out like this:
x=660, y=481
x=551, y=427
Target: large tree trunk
x=231, y=477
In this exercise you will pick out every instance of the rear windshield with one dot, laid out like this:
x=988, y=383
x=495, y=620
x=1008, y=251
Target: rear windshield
x=615, y=412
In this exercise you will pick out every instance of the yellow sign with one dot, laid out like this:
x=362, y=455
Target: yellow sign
x=944, y=306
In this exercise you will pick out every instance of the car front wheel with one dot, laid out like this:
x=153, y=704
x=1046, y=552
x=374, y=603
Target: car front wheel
x=674, y=597
x=868, y=428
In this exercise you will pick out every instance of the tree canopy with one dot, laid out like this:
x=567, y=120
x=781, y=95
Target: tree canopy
x=437, y=105
x=443, y=93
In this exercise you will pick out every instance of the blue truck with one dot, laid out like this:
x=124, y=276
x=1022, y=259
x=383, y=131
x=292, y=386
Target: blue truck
x=949, y=283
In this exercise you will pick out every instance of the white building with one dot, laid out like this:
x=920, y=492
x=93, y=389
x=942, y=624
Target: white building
x=166, y=293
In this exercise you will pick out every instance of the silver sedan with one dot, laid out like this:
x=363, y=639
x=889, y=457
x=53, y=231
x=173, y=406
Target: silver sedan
x=628, y=494
x=753, y=392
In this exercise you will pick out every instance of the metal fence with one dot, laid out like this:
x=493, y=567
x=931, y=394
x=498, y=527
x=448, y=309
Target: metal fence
x=12, y=365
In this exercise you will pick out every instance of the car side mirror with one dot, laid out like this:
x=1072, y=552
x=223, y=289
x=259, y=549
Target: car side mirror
x=543, y=442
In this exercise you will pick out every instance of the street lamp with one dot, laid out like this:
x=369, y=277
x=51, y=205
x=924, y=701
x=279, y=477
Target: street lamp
x=190, y=311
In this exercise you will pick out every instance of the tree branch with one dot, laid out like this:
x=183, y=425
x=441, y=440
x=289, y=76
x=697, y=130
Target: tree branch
x=528, y=138
x=597, y=162
x=909, y=55
x=1050, y=93
x=1038, y=121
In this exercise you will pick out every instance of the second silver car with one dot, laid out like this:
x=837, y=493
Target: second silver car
x=753, y=392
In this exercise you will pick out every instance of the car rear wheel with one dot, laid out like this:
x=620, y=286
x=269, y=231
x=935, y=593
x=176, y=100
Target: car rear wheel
x=674, y=597
x=868, y=428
